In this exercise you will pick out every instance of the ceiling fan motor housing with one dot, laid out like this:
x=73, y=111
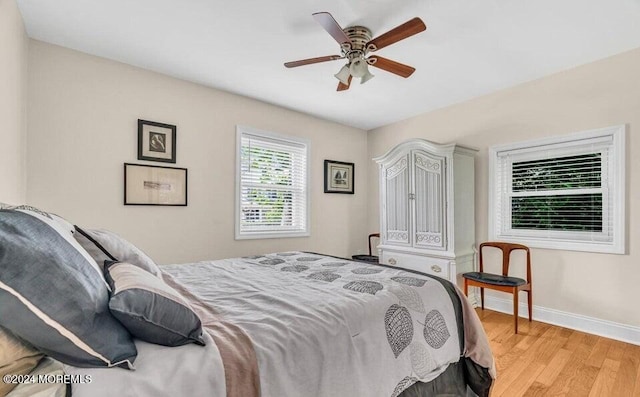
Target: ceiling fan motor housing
x=359, y=36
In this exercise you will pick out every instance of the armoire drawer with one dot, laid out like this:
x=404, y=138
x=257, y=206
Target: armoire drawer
x=437, y=267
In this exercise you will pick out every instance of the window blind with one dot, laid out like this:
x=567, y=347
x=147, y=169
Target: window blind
x=559, y=193
x=273, y=185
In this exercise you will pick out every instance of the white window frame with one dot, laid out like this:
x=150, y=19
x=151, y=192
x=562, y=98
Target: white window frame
x=243, y=235
x=615, y=166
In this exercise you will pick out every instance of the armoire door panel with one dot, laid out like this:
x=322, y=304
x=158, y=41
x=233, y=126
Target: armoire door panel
x=397, y=202
x=429, y=206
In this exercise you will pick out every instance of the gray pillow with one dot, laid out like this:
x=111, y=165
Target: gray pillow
x=105, y=245
x=53, y=294
x=149, y=308
x=60, y=221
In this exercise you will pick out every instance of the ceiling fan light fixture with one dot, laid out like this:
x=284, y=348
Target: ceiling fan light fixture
x=343, y=75
x=368, y=76
x=358, y=67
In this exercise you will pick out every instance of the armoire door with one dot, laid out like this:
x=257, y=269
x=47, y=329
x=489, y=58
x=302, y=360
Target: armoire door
x=429, y=206
x=396, y=196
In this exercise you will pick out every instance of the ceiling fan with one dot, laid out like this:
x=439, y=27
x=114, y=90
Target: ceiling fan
x=356, y=43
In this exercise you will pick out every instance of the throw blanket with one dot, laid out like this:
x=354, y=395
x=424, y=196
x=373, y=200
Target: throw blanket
x=236, y=350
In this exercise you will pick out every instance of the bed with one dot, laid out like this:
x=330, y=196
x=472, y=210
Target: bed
x=299, y=324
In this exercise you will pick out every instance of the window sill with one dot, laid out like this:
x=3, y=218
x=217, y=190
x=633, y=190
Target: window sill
x=263, y=235
x=565, y=245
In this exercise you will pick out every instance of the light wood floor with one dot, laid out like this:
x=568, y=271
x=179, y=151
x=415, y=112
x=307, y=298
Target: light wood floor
x=545, y=360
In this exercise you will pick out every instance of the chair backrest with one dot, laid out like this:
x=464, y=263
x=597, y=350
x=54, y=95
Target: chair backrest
x=506, y=255
x=370, y=237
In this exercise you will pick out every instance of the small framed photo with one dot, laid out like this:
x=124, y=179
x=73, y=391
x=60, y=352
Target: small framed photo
x=156, y=141
x=338, y=177
x=154, y=185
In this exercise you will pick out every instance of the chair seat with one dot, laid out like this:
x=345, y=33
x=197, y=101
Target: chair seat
x=365, y=258
x=494, y=279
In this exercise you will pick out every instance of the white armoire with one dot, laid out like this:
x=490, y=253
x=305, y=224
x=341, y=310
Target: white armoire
x=427, y=220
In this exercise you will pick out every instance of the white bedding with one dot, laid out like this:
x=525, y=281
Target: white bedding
x=189, y=370
x=312, y=336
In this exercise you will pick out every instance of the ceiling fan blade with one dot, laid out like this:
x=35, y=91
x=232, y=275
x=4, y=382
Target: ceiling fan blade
x=310, y=61
x=343, y=87
x=401, y=32
x=391, y=66
x=331, y=26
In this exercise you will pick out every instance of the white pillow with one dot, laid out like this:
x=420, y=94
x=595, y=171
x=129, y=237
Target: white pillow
x=106, y=245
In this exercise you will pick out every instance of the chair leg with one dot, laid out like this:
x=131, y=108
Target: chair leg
x=482, y=297
x=515, y=308
x=466, y=288
x=530, y=302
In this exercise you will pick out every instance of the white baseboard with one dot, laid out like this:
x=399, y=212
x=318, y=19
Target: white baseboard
x=591, y=325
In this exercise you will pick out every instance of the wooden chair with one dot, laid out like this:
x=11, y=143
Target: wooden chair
x=368, y=258
x=372, y=235
x=502, y=282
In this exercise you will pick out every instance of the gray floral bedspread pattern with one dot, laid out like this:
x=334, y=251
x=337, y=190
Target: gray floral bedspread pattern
x=322, y=326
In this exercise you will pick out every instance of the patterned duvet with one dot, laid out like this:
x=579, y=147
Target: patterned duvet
x=317, y=326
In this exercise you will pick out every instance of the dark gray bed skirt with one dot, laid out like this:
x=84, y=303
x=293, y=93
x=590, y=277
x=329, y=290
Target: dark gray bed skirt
x=456, y=381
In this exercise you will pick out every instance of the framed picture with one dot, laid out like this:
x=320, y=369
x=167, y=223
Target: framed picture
x=156, y=141
x=338, y=177
x=154, y=185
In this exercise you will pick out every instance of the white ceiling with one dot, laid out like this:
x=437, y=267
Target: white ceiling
x=470, y=48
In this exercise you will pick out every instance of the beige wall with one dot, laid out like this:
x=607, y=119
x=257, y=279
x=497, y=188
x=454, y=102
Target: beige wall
x=82, y=127
x=83, y=114
x=599, y=94
x=13, y=100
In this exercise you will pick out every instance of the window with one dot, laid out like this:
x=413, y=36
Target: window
x=272, y=198
x=562, y=193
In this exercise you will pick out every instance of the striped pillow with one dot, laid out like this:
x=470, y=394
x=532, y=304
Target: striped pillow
x=53, y=295
x=61, y=226
x=149, y=308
